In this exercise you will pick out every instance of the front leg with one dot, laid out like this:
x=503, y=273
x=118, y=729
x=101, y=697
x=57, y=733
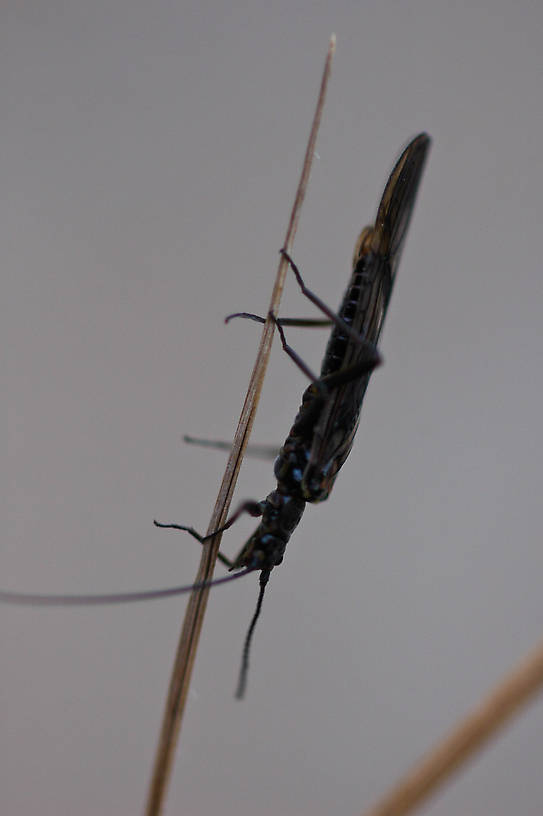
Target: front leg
x=253, y=508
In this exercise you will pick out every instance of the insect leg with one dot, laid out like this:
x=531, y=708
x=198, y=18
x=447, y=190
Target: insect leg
x=302, y=322
x=287, y=321
x=320, y=304
x=268, y=452
x=254, y=508
x=291, y=353
x=352, y=372
x=366, y=365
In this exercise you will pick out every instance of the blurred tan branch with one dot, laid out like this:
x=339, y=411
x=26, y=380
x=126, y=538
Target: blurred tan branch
x=515, y=690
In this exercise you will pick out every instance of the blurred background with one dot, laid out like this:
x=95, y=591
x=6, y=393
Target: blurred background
x=149, y=157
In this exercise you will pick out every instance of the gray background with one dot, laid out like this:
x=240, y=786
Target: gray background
x=149, y=155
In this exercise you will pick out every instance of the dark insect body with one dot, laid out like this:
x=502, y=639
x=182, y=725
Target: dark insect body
x=322, y=435
x=323, y=432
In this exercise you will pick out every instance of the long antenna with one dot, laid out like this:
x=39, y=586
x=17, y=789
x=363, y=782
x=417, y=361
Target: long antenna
x=30, y=599
x=244, y=668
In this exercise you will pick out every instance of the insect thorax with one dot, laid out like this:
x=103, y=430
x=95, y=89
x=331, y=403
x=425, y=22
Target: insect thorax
x=265, y=548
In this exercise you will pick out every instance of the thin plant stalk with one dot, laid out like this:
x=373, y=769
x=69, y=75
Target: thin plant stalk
x=192, y=624
x=508, y=698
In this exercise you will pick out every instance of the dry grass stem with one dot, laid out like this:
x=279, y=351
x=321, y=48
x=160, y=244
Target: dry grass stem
x=192, y=624
x=508, y=698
